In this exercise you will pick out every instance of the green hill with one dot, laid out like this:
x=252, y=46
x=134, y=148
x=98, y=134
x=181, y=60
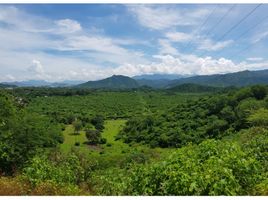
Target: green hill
x=193, y=88
x=243, y=78
x=113, y=82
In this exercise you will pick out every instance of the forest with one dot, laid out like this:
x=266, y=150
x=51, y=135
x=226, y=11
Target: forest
x=60, y=141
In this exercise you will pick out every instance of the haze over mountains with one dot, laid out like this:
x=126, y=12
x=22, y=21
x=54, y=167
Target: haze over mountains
x=42, y=83
x=162, y=81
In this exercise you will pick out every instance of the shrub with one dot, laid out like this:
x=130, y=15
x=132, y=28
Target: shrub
x=51, y=188
x=66, y=171
x=108, y=144
x=211, y=168
x=13, y=186
x=262, y=188
x=103, y=140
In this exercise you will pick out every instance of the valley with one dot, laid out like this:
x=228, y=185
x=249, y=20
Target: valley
x=134, y=142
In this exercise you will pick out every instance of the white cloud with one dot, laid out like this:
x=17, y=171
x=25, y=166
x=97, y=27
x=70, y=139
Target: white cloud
x=255, y=59
x=93, y=43
x=166, y=47
x=37, y=71
x=86, y=53
x=169, y=64
x=68, y=26
x=209, y=45
x=178, y=36
x=158, y=18
x=20, y=20
x=9, y=77
x=36, y=67
x=31, y=40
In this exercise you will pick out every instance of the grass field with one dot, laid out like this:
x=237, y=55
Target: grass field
x=113, y=151
x=112, y=127
x=70, y=139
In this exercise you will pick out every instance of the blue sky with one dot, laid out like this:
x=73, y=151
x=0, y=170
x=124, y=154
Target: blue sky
x=56, y=42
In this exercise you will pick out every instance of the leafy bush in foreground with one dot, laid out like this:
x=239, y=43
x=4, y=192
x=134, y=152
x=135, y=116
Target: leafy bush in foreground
x=66, y=171
x=211, y=168
x=214, y=167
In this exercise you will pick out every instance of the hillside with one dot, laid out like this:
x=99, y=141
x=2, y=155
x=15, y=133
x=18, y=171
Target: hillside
x=196, y=120
x=242, y=78
x=158, y=77
x=2, y=85
x=113, y=82
x=193, y=88
x=156, y=80
x=160, y=83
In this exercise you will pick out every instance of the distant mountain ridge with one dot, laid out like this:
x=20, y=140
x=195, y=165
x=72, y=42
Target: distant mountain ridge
x=157, y=81
x=113, y=82
x=2, y=85
x=238, y=79
x=158, y=76
x=42, y=83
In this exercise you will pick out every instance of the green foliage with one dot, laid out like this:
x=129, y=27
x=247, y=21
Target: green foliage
x=211, y=168
x=66, y=171
x=262, y=188
x=259, y=91
x=111, y=105
x=259, y=118
x=98, y=122
x=194, y=88
x=109, y=182
x=194, y=121
x=93, y=136
x=23, y=134
x=77, y=126
x=221, y=142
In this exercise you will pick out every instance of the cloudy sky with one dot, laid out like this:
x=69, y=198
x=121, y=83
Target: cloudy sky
x=89, y=42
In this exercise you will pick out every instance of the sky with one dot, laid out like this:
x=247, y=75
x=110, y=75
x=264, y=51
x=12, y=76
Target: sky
x=56, y=42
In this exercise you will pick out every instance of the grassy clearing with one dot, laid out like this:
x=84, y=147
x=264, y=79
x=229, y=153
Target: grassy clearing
x=70, y=139
x=112, y=127
x=113, y=150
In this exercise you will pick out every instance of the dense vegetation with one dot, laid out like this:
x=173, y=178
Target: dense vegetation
x=190, y=87
x=236, y=166
x=109, y=104
x=23, y=134
x=139, y=142
x=194, y=121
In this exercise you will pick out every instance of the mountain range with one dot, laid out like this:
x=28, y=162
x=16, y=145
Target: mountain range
x=2, y=85
x=42, y=83
x=242, y=78
x=162, y=81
